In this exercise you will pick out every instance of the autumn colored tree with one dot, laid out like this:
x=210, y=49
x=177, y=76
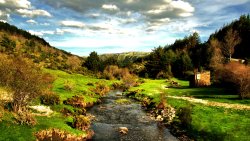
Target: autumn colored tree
x=23, y=79
x=216, y=59
x=231, y=39
x=73, y=62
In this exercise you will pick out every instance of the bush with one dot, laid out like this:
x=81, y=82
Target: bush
x=25, y=118
x=50, y=99
x=81, y=122
x=73, y=112
x=119, y=86
x=184, y=115
x=60, y=135
x=237, y=75
x=101, y=89
x=78, y=101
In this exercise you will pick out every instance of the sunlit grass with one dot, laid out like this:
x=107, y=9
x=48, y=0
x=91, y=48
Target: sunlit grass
x=208, y=123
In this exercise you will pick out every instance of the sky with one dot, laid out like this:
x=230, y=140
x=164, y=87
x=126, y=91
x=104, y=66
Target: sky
x=115, y=26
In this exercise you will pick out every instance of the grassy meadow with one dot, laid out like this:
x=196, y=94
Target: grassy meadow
x=79, y=85
x=208, y=123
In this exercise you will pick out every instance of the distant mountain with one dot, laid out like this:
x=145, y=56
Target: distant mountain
x=126, y=58
x=15, y=41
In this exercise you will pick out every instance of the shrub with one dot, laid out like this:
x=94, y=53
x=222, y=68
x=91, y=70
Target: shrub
x=119, y=86
x=184, y=115
x=129, y=80
x=238, y=75
x=25, y=118
x=69, y=111
x=81, y=122
x=60, y=135
x=101, y=89
x=50, y=99
x=76, y=101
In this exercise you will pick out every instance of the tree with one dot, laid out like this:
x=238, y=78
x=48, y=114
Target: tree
x=23, y=79
x=231, y=39
x=93, y=62
x=216, y=59
x=73, y=62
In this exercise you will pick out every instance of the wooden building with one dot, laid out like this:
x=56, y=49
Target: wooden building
x=200, y=79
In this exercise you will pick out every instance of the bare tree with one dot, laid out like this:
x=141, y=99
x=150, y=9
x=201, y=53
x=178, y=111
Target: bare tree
x=231, y=39
x=216, y=60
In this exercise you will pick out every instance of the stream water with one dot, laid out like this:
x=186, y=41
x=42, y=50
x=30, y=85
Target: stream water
x=109, y=116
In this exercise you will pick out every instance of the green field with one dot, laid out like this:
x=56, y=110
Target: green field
x=208, y=123
x=12, y=131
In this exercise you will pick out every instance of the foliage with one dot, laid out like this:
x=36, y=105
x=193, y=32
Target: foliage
x=25, y=117
x=59, y=135
x=81, y=122
x=50, y=99
x=231, y=39
x=77, y=101
x=239, y=76
x=23, y=78
x=101, y=89
x=74, y=63
x=93, y=62
x=184, y=116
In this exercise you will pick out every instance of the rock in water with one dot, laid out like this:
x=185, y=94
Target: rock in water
x=123, y=130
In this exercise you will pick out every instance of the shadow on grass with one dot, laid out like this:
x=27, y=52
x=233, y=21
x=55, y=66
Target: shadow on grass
x=208, y=136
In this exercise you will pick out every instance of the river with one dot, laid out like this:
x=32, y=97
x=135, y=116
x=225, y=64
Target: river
x=109, y=116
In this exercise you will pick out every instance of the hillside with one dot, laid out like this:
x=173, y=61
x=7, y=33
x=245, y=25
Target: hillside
x=17, y=42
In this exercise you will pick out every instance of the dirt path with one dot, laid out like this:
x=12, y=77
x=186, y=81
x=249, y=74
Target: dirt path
x=212, y=103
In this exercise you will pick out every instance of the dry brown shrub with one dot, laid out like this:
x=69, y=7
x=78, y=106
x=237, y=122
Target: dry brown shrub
x=81, y=122
x=101, y=89
x=77, y=101
x=24, y=117
x=60, y=135
x=239, y=75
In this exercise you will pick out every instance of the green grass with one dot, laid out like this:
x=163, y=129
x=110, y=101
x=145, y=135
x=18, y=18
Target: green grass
x=208, y=123
x=79, y=83
x=154, y=87
x=12, y=131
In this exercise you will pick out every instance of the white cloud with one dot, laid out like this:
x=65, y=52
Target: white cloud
x=31, y=21
x=37, y=33
x=13, y=4
x=110, y=7
x=185, y=6
x=76, y=24
x=33, y=13
x=186, y=14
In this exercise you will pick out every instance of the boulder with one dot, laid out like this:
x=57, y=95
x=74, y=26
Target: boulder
x=123, y=130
